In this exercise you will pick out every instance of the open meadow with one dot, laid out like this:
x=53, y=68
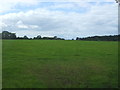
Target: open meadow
x=59, y=64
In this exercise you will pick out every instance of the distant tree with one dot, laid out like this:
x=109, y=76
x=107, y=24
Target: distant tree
x=0, y=35
x=77, y=38
x=30, y=38
x=5, y=35
x=55, y=37
x=13, y=36
x=25, y=37
x=38, y=37
x=35, y=38
x=101, y=38
x=8, y=35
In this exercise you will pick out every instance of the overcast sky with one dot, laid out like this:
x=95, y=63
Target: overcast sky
x=58, y=18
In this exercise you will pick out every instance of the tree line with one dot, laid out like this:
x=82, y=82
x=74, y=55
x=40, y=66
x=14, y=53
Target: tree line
x=101, y=38
x=9, y=35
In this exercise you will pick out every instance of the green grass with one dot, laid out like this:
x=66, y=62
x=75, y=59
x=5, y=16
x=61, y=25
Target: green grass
x=59, y=64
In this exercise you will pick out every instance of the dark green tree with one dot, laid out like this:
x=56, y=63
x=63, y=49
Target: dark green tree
x=25, y=37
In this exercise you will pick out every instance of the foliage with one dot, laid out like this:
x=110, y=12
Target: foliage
x=101, y=38
x=8, y=35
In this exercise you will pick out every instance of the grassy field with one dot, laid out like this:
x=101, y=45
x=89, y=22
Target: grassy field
x=59, y=64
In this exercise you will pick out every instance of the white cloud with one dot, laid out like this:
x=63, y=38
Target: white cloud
x=9, y=5
x=99, y=20
x=20, y=25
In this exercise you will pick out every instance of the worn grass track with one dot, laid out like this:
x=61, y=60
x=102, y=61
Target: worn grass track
x=59, y=64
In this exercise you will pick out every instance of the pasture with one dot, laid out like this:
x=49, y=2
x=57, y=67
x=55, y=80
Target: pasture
x=59, y=64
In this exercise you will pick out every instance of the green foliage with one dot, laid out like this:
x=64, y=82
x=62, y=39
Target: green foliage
x=101, y=38
x=7, y=35
x=59, y=64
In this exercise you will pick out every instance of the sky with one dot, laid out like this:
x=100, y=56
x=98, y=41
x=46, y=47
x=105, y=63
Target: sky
x=63, y=18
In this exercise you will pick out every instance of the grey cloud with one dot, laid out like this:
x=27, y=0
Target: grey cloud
x=100, y=20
